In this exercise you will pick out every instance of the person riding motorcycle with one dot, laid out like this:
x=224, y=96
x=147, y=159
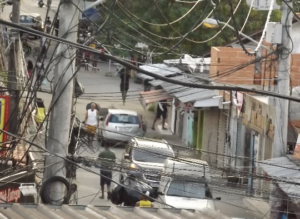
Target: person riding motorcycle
x=129, y=193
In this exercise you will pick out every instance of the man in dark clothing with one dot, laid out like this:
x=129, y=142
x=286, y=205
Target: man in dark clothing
x=146, y=84
x=161, y=111
x=56, y=26
x=107, y=159
x=48, y=25
x=124, y=85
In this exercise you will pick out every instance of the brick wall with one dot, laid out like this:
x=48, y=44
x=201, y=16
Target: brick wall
x=295, y=70
x=225, y=59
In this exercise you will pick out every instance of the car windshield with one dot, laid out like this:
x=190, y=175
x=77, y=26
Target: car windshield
x=124, y=118
x=154, y=155
x=26, y=19
x=188, y=189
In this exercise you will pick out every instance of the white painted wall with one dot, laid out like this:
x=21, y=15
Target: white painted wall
x=296, y=37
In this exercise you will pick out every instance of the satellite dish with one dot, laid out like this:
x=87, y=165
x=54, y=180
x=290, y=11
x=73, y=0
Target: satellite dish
x=190, y=62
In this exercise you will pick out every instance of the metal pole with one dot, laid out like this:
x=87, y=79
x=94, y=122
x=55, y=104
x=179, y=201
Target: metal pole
x=13, y=70
x=60, y=119
x=283, y=85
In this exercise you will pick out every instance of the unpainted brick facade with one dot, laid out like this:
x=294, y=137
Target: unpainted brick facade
x=226, y=60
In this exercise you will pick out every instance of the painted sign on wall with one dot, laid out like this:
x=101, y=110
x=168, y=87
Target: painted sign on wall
x=259, y=116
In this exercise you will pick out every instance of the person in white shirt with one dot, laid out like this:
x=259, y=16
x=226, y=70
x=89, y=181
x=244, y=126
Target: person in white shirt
x=91, y=122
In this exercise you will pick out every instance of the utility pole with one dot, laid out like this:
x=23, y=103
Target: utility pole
x=13, y=71
x=60, y=119
x=283, y=85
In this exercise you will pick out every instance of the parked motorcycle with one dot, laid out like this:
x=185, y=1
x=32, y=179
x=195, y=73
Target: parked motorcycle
x=129, y=195
x=41, y=3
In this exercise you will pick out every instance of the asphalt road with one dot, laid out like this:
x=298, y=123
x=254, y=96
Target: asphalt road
x=105, y=91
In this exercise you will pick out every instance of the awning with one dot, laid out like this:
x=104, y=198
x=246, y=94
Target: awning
x=155, y=83
x=153, y=96
x=211, y=102
x=285, y=170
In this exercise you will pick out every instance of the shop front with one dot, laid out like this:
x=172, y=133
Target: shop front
x=258, y=134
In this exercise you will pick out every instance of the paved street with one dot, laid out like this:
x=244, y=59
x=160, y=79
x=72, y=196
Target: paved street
x=105, y=91
x=89, y=183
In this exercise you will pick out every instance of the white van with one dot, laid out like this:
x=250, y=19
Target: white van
x=184, y=184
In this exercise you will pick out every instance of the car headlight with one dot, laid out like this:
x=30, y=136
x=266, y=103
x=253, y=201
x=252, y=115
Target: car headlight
x=133, y=166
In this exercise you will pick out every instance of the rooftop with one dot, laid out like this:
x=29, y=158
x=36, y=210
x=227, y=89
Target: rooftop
x=17, y=211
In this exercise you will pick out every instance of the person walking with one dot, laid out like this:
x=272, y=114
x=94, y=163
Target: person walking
x=87, y=60
x=48, y=25
x=107, y=159
x=95, y=61
x=144, y=202
x=56, y=27
x=146, y=84
x=29, y=68
x=43, y=42
x=91, y=122
x=124, y=85
x=40, y=72
x=161, y=111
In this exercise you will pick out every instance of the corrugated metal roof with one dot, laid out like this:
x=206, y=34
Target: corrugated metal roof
x=17, y=211
x=160, y=82
x=198, y=61
x=159, y=69
x=187, y=94
x=284, y=168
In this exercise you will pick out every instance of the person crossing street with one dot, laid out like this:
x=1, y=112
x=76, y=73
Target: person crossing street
x=107, y=159
x=124, y=86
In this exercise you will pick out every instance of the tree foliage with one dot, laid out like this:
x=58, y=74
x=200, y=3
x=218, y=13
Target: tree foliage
x=129, y=24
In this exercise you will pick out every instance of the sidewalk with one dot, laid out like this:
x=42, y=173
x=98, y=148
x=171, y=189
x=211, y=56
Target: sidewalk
x=260, y=207
x=179, y=147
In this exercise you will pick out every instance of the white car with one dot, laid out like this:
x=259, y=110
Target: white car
x=146, y=156
x=185, y=194
x=120, y=126
x=184, y=184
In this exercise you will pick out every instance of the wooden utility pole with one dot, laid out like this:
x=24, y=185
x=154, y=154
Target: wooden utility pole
x=13, y=70
x=60, y=119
